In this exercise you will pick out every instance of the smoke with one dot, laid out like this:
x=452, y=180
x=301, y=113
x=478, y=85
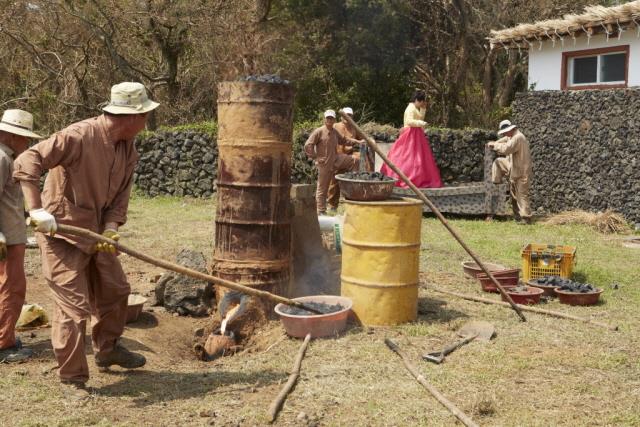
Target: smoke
x=316, y=270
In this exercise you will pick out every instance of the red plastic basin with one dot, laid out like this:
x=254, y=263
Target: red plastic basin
x=321, y=325
x=531, y=296
x=506, y=278
x=575, y=298
x=472, y=269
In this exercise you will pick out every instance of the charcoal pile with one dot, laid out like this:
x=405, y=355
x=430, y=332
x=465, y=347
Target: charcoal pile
x=581, y=288
x=265, y=78
x=566, y=284
x=551, y=281
x=366, y=176
x=320, y=306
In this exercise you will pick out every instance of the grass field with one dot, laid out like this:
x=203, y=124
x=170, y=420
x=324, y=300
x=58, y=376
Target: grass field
x=543, y=372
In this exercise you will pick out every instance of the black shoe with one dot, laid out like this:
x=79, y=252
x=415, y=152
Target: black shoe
x=122, y=357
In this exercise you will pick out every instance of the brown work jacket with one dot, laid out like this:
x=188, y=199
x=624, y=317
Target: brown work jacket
x=322, y=145
x=11, y=201
x=350, y=135
x=90, y=176
x=516, y=148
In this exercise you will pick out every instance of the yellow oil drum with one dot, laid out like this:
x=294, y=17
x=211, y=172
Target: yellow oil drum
x=381, y=259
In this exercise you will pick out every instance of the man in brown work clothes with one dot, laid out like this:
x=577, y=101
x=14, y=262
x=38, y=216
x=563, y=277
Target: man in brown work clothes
x=354, y=139
x=90, y=166
x=15, y=131
x=322, y=147
x=517, y=165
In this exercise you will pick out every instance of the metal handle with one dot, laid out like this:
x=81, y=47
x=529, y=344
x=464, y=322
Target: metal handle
x=457, y=345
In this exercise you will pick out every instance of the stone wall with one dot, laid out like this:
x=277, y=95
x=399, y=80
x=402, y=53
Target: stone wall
x=585, y=147
x=184, y=162
x=179, y=163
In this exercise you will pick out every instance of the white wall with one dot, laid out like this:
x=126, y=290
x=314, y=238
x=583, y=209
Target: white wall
x=545, y=65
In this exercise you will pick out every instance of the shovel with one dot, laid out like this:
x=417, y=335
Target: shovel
x=470, y=331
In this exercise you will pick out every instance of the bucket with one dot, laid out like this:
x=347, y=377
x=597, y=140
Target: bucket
x=381, y=259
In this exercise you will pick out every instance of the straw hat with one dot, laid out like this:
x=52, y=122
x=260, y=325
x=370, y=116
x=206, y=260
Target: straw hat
x=505, y=126
x=129, y=98
x=18, y=122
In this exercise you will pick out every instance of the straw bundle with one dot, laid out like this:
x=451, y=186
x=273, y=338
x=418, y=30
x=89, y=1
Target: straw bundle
x=593, y=16
x=607, y=222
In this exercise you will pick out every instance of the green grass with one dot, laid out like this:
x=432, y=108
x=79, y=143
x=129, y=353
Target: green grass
x=543, y=372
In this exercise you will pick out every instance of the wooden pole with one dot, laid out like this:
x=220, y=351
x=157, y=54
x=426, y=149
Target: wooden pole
x=464, y=419
x=81, y=232
x=277, y=403
x=527, y=308
x=438, y=214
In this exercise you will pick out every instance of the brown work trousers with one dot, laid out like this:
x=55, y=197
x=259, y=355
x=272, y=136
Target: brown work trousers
x=84, y=286
x=13, y=286
x=342, y=163
x=518, y=187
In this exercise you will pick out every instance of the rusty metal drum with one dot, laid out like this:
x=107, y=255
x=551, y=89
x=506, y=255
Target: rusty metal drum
x=253, y=229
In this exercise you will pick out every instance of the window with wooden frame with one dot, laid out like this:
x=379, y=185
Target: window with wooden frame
x=605, y=68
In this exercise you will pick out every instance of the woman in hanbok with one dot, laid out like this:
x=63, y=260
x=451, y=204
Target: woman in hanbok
x=411, y=152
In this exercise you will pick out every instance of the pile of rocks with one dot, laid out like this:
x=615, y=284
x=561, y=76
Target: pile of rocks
x=182, y=294
x=585, y=147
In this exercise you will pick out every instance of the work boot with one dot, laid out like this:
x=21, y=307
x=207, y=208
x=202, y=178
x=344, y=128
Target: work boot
x=122, y=357
x=15, y=354
x=525, y=221
x=75, y=392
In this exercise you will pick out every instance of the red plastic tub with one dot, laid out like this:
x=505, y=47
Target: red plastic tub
x=321, y=325
x=507, y=278
x=576, y=298
x=531, y=295
x=471, y=269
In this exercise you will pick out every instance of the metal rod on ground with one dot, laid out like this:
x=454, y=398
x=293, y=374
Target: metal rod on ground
x=277, y=403
x=527, y=308
x=81, y=232
x=435, y=210
x=464, y=419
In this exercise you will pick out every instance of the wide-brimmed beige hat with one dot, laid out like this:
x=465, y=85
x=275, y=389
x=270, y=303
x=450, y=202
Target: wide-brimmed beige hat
x=505, y=126
x=129, y=98
x=18, y=122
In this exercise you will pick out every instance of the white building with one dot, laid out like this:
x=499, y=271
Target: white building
x=599, y=49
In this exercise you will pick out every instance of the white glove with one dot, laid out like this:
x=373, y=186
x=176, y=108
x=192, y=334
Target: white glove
x=3, y=247
x=44, y=221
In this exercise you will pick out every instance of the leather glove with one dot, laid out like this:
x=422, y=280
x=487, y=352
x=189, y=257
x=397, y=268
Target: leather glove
x=3, y=247
x=43, y=221
x=230, y=300
x=108, y=247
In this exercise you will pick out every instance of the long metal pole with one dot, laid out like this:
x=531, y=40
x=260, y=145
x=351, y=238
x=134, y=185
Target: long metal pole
x=81, y=232
x=438, y=214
